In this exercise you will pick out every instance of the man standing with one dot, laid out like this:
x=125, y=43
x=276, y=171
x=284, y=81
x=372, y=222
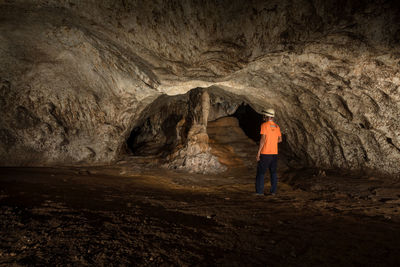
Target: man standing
x=267, y=155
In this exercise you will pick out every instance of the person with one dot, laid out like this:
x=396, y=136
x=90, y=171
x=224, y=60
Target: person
x=267, y=155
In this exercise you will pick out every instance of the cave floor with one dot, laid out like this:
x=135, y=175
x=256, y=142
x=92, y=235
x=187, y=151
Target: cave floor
x=128, y=214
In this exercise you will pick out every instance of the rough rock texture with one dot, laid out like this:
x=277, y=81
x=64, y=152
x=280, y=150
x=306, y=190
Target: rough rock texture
x=68, y=94
x=230, y=144
x=75, y=75
x=194, y=154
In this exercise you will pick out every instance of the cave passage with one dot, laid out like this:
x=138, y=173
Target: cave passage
x=250, y=121
x=130, y=142
x=141, y=142
x=233, y=129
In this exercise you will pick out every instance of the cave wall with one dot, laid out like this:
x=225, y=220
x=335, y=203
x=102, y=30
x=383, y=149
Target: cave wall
x=68, y=93
x=75, y=75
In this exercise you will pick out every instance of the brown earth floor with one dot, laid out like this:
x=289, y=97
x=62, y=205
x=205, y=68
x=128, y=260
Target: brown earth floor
x=131, y=215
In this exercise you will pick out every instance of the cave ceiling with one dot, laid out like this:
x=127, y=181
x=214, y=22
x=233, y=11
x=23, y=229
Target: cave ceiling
x=76, y=76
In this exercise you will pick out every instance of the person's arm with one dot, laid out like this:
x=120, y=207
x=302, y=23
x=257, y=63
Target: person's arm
x=262, y=142
x=279, y=135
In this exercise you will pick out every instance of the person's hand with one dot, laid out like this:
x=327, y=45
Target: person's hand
x=258, y=157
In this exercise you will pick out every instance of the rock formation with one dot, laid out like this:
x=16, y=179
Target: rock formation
x=174, y=128
x=230, y=144
x=76, y=76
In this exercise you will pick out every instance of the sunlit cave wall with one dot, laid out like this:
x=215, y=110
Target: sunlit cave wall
x=76, y=75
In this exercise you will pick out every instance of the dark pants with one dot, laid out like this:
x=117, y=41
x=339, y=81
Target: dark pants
x=266, y=162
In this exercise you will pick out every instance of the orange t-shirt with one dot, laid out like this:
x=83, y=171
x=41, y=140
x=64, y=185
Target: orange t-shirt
x=272, y=132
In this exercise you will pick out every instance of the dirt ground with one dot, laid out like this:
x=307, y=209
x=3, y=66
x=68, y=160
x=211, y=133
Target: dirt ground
x=130, y=215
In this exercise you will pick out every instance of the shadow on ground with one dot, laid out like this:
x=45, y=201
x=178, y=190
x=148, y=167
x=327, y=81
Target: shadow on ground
x=132, y=215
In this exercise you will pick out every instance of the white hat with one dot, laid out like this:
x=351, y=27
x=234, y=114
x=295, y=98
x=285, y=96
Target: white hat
x=269, y=112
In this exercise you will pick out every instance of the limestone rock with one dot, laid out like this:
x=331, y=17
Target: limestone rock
x=230, y=144
x=195, y=156
x=76, y=76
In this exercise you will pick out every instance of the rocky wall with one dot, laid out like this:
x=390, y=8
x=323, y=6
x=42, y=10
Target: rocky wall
x=75, y=75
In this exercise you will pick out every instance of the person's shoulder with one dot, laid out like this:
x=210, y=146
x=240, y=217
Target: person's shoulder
x=274, y=124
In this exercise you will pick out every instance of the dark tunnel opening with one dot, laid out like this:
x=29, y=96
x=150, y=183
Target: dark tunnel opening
x=162, y=126
x=250, y=121
x=140, y=142
x=130, y=142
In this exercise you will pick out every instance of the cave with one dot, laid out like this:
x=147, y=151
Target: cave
x=249, y=120
x=232, y=130
x=129, y=132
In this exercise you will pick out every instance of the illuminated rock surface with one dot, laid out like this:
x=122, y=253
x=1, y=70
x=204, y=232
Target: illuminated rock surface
x=75, y=77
